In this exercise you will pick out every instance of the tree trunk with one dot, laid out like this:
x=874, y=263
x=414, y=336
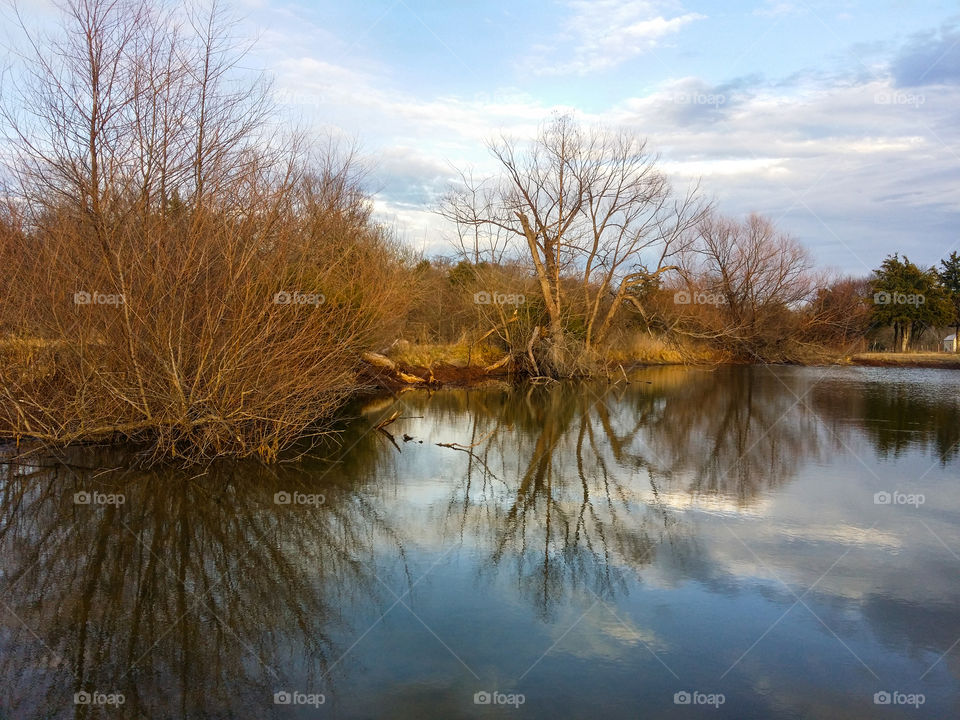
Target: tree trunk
x=548, y=284
x=905, y=337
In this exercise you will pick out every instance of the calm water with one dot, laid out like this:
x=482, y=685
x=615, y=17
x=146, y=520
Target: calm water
x=598, y=552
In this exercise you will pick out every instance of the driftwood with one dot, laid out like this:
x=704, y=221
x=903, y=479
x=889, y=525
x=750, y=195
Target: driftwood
x=385, y=363
x=378, y=360
x=394, y=371
x=411, y=379
x=499, y=363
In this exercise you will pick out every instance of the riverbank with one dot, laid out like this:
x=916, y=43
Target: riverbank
x=34, y=363
x=462, y=365
x=914, y=360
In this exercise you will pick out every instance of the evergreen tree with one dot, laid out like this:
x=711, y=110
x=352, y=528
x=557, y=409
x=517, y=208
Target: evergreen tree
x=950, y=280
x=909, y=299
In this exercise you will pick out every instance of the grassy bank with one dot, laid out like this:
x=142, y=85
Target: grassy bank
x=917, y=360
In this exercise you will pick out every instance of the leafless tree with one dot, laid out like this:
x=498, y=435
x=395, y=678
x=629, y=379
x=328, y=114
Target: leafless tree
x=743, y=283
x=592, y=215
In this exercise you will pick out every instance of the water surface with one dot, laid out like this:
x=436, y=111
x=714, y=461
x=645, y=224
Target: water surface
x=765, y=542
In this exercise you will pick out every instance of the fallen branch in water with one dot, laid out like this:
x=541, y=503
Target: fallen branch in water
x=383, y=423
x=390, y=438
x=461, y=446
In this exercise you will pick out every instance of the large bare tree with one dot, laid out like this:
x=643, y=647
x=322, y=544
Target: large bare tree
x=590, y=212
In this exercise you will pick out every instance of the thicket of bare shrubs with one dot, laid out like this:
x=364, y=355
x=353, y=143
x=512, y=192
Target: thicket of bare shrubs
x=176, y=271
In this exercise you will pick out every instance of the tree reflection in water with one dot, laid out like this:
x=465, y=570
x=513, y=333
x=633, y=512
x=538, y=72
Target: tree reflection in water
x=576, y=485
x=895, y=415
x=197, y=597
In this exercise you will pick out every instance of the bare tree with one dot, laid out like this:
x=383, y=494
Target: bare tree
x=743, y=282
x=592, y=215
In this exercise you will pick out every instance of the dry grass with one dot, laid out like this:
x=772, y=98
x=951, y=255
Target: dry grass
x=915, y=359
x=459, y=354
x=632, y=348
x=626, y=348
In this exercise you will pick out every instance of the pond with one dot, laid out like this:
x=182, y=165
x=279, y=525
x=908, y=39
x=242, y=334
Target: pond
x=747, y=542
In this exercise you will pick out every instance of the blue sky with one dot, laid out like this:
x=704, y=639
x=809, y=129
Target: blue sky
x=840, y=120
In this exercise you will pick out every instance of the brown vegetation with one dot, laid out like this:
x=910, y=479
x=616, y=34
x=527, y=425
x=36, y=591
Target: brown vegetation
x=183, y=279
x=915, y=359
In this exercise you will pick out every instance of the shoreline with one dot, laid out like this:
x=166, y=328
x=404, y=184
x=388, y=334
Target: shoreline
x=932, y=360
x=445, y=374
x=400, y=376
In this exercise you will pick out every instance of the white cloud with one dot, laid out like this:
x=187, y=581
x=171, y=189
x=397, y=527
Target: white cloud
x=602, y=34
x=847, y=164
x=776, y=8
x=855, y=179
